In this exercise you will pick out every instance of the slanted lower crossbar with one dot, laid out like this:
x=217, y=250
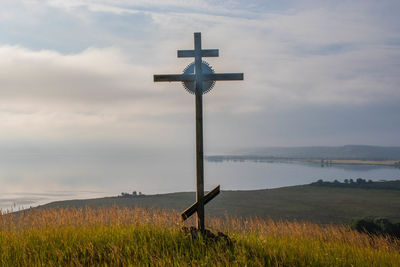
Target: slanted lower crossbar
x=193, y=208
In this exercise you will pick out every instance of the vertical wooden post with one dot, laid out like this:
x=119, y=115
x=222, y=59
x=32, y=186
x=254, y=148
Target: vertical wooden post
x=199, y=133
x=198, y=78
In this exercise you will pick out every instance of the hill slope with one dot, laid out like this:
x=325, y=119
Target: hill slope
x=306, y=202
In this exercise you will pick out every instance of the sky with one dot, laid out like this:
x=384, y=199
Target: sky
x=78, y=75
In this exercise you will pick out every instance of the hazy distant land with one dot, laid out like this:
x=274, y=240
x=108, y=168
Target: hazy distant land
x=349, y=154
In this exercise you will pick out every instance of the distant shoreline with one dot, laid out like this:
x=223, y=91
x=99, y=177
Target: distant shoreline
x=323, y=162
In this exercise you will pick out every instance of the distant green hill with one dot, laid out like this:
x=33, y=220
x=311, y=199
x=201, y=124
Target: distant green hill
x=321, y=204
x=360, y=183
x=361, y=152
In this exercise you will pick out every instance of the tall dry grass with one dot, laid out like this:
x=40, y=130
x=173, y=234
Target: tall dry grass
x=138, y=236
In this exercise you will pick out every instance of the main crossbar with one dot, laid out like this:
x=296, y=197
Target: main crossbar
x=223, y=77
x=174, y=77
x=192, y=77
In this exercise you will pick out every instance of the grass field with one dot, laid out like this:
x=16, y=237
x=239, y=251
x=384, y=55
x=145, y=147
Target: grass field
x=311, y=203
x=116, y=236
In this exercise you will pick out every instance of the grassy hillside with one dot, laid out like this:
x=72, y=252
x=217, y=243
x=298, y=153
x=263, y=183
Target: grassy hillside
x=311, y=203
x=138, y=237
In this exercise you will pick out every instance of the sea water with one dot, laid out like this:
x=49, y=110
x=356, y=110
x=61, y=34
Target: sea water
x=31, y=179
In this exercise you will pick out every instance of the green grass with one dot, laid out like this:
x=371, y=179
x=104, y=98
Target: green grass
x=138, y=237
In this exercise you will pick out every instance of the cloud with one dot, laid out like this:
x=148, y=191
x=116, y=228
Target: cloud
x=90, y=76
x=70, y=96
x=83, y=69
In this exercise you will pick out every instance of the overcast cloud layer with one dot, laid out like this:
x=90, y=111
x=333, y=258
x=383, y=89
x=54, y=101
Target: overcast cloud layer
x=316, y=72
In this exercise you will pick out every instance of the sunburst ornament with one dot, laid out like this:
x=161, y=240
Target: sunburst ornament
x=190, y=86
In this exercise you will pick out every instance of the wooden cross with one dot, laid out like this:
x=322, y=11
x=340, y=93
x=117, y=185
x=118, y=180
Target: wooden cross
x=200, y=78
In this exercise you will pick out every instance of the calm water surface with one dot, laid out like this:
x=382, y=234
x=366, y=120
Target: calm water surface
x=30, y=180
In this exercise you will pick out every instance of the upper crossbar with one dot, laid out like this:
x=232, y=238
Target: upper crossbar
x=204, y=53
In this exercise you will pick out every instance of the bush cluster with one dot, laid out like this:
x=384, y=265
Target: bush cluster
x=376, y=226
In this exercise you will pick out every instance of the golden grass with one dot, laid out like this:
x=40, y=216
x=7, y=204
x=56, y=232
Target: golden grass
x=136, y=236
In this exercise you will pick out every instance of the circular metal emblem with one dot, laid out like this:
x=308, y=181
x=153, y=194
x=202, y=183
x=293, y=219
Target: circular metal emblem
x=191, y=85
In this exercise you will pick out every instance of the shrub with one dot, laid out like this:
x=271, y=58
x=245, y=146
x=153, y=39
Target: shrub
x=376, y=226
